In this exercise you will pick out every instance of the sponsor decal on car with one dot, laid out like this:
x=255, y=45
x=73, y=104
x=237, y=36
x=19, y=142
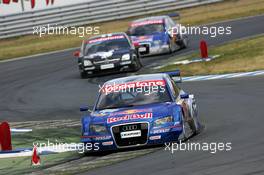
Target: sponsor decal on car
x=135, y=24
x=155, y=137
x=130, y=117
x=131, y=111
x=102, y=138
x=105, y=39
x=142, y=39
x=158, y=131
x=130, y=134
x=118, y=87
x=108, y=143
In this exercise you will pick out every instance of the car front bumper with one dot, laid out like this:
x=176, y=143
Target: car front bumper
x=153, y=50
x=107, y=67
x=155, y=137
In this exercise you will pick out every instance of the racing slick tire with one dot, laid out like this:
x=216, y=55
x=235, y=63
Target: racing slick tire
x=183, y=43
x=195, y=124
x=83, y=74
x=187, y=131
x=136, y=65
x=172, y=46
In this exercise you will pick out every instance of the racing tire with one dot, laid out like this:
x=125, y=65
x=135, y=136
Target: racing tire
x=136, y=65
x=186, y=130
x=83, y=75
x=172, y=46
x=195, y=124
x=183, y=43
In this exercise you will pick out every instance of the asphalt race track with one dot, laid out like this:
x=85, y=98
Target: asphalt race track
x=231, y=111
x=48, y=87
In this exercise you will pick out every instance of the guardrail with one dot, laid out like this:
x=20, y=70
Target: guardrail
x=88, y=13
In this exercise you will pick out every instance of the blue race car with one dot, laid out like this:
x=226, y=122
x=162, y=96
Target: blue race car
x=157, y=35
x=140, y=110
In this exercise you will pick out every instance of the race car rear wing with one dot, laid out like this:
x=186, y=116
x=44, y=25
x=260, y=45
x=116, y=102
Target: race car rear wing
x=175, y=75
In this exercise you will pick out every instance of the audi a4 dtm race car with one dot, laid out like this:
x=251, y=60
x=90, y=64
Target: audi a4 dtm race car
x=156, y=35
x=107, y=53
x=140, y=110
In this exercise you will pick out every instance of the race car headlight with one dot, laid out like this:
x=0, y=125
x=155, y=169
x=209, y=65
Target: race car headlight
x=126, y=57
x=87, y=63
x=98, y=128
x=162, y=121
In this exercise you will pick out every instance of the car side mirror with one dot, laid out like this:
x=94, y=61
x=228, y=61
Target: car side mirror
x=77, y=53
x=84, y=109
x=184, y=96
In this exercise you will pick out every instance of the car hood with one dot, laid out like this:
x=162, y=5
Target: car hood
x=147, y=113
x=109, y=54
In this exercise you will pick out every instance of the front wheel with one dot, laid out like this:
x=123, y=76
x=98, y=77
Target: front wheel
x=172, y=46
x=195, y=124
x=136, y=65
x=83, y=74
x=186, y=130
x=183, y=43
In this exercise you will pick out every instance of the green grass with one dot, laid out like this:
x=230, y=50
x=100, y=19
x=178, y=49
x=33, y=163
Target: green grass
x=229, y=9
x=62, y=163
x=238, y=56
x=22, y=165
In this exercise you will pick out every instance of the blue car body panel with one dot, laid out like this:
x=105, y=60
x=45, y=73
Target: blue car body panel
x=147, y=114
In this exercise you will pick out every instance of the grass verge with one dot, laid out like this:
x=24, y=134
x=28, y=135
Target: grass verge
x=22, y=165
x=238, y=56
x=229, y=9
x=62, y=163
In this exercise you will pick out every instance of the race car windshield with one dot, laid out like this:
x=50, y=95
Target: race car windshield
x=106, y=46
x=133, y=97
x=149, y=29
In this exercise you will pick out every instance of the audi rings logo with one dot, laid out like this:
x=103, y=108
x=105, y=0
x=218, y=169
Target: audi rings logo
x=129, y=127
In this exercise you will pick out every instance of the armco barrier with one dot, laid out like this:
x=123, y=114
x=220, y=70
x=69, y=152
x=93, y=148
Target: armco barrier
x=88, y=13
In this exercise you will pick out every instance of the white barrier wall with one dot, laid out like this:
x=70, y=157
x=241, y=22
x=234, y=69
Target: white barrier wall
x=40, y=5
x=88, y=12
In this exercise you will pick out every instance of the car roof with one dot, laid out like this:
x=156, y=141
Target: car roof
x=150, y=18
x=136, y=78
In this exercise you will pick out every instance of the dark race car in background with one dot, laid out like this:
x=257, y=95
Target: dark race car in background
x=156, y=35
x=107, y=53
x=140, y=110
